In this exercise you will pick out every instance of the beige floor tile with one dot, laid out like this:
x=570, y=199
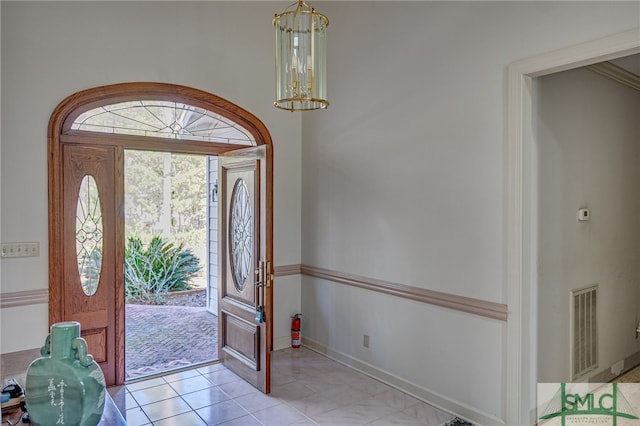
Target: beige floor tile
x=186, y=419
x=306, y=389
x=221, y=412
x=205, y=397
x=154, y=394
x=166, y=408
x=279, y=415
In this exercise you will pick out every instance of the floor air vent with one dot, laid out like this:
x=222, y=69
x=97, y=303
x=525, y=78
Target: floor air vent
x=584, y=332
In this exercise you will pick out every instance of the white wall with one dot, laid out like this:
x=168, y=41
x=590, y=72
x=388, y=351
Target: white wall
x=53, y=49
x=588, y=139
x=402, y=177
x=403, y=180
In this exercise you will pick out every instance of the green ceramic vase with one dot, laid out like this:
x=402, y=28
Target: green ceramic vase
x=65, y=385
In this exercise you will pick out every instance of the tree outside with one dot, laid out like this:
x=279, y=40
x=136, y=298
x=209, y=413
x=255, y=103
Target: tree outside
x=165, y=198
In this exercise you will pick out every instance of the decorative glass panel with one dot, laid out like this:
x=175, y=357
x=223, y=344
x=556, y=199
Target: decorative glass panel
x=240, y=234
x=163, y=119
x=89, y=235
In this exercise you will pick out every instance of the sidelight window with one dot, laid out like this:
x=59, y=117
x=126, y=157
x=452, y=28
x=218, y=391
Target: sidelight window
x=89, y=235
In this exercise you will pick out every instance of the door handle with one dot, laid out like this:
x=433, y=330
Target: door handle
x=260, y=273
x=268, y=276
x=265, y=277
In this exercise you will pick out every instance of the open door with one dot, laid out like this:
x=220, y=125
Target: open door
x=245, y=292
x=91, y=274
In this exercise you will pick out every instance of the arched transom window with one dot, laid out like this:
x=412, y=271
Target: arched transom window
x=164, y=119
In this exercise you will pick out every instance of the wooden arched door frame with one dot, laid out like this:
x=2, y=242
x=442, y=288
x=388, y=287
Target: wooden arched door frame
x=61, y=134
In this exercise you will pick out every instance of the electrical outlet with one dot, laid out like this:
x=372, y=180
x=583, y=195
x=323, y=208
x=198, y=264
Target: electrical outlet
x=638, y=330
x=365, y=341
x=20, y=250
x=584, y=215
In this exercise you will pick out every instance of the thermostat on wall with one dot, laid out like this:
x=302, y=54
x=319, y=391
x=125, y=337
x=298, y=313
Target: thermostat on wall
x=584, y=214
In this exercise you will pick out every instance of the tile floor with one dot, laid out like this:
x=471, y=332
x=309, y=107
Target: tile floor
x=306, y=389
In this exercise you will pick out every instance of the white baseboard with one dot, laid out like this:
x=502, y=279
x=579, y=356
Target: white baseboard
x=457, y=408
x=281, y=343
x=605, y=375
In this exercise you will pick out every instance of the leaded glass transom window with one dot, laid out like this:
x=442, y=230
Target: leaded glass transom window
x=165, y=119
x=89, y=235
x=241, y=234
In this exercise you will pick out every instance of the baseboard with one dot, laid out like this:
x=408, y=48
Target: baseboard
x=457, y=408
x=606, y=375
x=281, y=343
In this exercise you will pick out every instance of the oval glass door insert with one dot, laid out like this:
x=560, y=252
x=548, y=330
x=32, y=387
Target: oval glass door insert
x=240, y=234
x=89, y=235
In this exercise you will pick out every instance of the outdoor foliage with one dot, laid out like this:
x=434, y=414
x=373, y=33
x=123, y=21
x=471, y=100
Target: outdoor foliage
x=151, y=272
x=166, y=194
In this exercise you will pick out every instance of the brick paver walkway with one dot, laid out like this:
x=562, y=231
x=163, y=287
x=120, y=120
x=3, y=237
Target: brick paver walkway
x=160, y=338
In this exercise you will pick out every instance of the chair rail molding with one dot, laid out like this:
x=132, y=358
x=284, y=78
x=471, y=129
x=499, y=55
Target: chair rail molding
x=460, y=303
x=419, y=294
x=23, y=298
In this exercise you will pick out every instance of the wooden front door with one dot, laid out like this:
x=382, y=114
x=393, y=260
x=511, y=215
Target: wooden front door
x=245, y=265
x=80, y=147
x=91, y=250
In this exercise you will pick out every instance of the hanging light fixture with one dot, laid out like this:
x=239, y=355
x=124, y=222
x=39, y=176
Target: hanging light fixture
x=301, y=59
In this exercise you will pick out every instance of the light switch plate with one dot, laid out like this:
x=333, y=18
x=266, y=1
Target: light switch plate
x=20, y=250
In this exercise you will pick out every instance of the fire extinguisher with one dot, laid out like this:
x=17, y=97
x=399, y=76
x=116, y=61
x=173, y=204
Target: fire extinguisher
x=295, y=331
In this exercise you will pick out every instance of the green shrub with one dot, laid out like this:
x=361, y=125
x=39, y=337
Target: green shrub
x=162, y=267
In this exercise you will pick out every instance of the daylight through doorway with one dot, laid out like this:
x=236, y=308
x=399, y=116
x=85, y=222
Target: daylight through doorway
x=170, y=261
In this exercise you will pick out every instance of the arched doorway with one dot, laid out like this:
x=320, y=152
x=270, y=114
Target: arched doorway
x=86, y=252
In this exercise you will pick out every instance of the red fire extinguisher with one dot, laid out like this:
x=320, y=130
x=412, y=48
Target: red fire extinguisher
x=295, y=331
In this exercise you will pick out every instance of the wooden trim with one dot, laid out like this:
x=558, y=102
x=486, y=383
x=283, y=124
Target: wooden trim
x=80, y=102
x=616, y=73
x=120, y=240
x=284, y=270
x=150, y=143
x=23, y=298
x=470, y=305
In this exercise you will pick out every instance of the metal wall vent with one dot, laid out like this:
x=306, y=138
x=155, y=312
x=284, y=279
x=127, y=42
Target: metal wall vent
x=584, y=339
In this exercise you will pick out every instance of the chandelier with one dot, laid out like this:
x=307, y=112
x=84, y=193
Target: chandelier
x=301, y=59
